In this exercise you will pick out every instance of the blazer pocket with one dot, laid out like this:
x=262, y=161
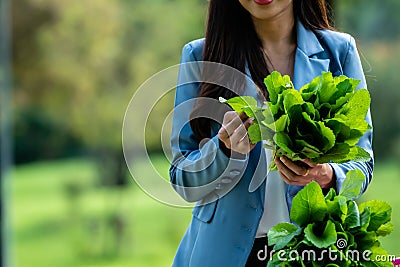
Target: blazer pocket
x=205, y=213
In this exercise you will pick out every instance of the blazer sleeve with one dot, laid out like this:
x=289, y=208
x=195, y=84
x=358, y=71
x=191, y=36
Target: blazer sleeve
x=352, y=68
x=198, y=169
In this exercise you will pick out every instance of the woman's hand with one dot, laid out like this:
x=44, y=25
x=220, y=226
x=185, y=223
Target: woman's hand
x=233, y=133
x=295, y=174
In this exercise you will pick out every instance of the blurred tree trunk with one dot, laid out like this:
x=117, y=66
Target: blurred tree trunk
x=112, y=167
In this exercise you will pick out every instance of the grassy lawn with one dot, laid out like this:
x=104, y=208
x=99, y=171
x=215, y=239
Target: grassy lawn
x=61, y=218
x=385, y=186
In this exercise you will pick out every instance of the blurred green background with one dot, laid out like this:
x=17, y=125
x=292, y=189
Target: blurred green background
x=76, y=64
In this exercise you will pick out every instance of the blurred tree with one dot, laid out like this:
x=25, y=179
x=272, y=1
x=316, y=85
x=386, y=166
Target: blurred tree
x=369, y=20
x=35, y=135
x=79, y=63
x=376, y=26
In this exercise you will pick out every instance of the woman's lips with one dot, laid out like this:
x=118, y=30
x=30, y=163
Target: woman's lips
x=263, y=2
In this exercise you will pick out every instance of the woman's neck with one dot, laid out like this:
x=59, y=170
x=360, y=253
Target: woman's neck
x=278, y=38
x=278, y=33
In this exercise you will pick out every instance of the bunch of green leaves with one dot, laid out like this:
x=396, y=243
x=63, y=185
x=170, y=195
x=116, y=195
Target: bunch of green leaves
x=323, y=121
x=332, y=222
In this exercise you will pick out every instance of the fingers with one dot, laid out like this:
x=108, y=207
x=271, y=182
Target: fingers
x=309, y=163
x=293, y=167
x=233, y=132
x=230, y=123
x=301, y=182
x=243, y=116
x=291, y=173
x=239, y=135
x=248, y=122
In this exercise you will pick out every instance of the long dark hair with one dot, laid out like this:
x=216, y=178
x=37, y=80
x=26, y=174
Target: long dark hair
x=231, y=39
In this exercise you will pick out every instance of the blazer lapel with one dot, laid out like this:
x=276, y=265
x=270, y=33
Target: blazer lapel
x=307, y=65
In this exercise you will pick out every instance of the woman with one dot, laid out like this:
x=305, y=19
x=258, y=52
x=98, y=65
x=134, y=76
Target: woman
x=214, y=163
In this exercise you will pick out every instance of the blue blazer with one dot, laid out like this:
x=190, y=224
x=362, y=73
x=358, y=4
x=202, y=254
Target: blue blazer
x=229, y=208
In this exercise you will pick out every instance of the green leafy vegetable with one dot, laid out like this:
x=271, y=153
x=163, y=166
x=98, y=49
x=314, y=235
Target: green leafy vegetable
x=321, y=238
x=380, y=213
x=351, y=185
x=308, y=205
x=323, y=121
x=334, y=222
x=281, y=234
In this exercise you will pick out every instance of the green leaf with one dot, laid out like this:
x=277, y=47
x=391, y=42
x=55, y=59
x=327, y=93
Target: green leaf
x=365, y=240
x=385, y=229
x=239, y=102
x=344, y=86
x=268, y=115
x=353, y=215
x=324, y=110
x=352, y=185
x=331, y=194
x=308, y=150
x=340, y=102
x=281, y=234
x=337, y=208
x=347, y=130
x=253, y=112
x=283, y=141
x=356, y=132
x=380, y=213
x=310, y=110
x=277, y=109
x=343, y=207
x=311, y=87
x=358, y=105
x=258, y=132
x=339, y=226
x=291, y=98
x=339, y=127
x=339, y=79
x=324, y=238
x=328, y=136
x=254, y=132
x=280, y=124
x=378, y=253
x=306, y=128
x=364, y=218
x=277, y=262
x=309, y=97
x=328, y=87
x=358, y=154
x=276, y=84
x=336, y=154
x=308, y=205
